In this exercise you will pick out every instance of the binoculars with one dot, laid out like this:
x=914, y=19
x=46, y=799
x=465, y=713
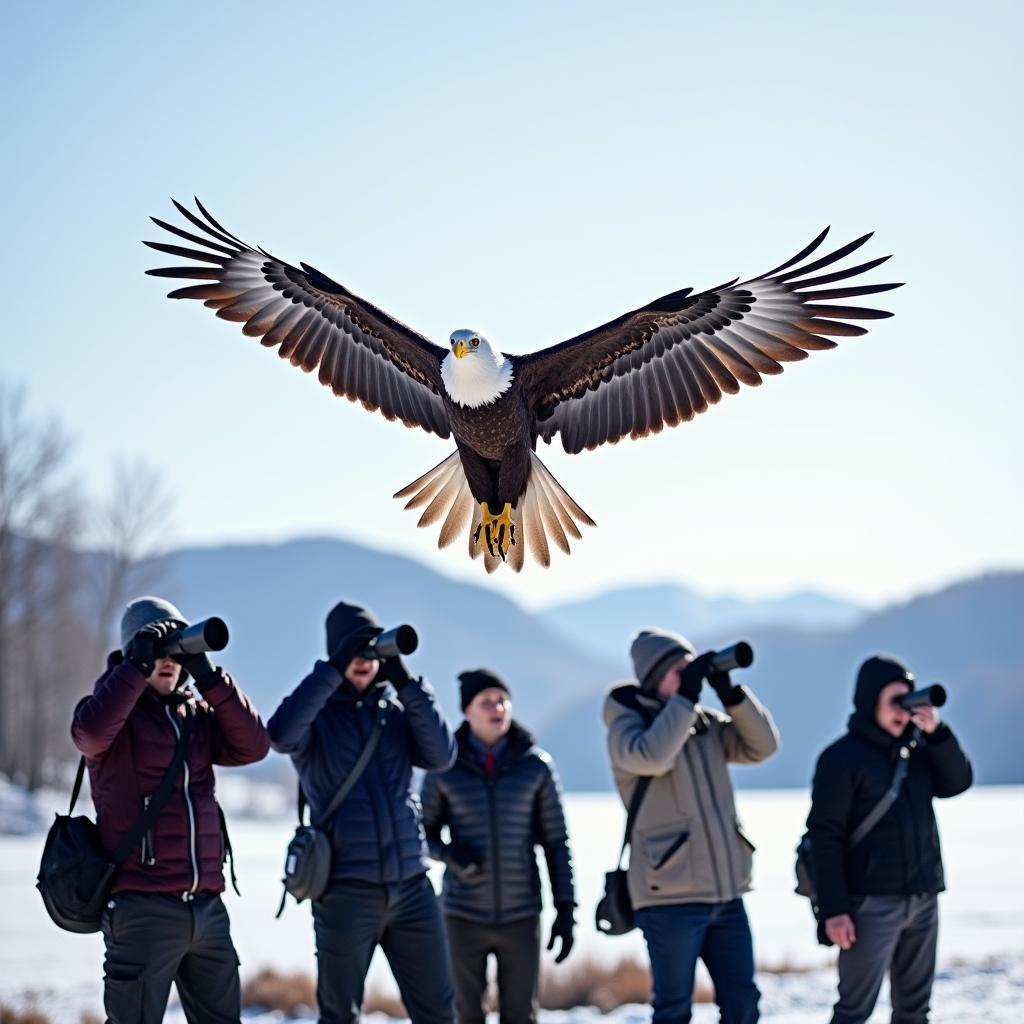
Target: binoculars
x=740, y=655
x=934, y=695
x=208, y=635
x=391, y=643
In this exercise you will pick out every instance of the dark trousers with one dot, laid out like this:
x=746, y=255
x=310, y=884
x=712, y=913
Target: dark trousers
x=152, y=940
x=897, y=934
x=352, y=918
x=718, y=933
x=516, y=947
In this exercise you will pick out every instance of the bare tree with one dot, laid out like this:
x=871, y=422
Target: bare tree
x=39, y=579
x=129, y=530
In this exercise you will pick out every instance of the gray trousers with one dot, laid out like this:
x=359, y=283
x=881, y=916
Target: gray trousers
x=896, y=934
x=152, y=940
x=516, y=947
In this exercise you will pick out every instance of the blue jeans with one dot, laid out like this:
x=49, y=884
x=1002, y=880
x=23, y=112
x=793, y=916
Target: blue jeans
x=718, y=933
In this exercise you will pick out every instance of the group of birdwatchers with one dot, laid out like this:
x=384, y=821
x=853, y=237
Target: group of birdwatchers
x=489, y=797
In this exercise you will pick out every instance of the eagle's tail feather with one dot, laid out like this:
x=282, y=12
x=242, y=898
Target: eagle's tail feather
x=459, y=515
x=544, y=512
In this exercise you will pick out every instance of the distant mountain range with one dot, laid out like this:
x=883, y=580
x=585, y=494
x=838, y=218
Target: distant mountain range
x=604, y=623
x=560, y=662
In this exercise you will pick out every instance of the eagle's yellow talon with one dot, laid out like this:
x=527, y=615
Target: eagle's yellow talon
x=497, y=530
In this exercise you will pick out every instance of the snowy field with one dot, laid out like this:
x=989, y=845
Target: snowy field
x=981, y=946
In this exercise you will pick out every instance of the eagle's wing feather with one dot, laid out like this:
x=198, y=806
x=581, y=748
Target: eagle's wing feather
x=317, y=324
x=662, y=364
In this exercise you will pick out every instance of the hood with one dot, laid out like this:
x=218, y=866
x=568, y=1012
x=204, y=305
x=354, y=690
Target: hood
x=874, y=675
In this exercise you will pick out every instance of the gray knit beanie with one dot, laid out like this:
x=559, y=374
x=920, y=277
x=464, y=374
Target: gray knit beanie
x=144, y=610
x=653, y=650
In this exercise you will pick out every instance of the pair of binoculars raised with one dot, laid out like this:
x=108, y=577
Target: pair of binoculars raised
x=740, y=655
x=931, y=696
x=391, y=643
x=208, y=635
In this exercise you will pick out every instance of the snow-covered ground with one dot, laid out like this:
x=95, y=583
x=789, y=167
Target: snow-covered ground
x=981, y=948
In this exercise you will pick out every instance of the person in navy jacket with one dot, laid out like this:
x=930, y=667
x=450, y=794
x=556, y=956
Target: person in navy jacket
x=379, y=893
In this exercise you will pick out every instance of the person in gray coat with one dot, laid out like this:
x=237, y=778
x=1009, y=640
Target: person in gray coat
x=500, y=800
x=689, y=861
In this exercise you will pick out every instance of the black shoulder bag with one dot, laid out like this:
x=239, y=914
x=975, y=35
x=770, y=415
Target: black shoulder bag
x=307, y=863
x=805, y=883
x=76, y=872
x=614, y=914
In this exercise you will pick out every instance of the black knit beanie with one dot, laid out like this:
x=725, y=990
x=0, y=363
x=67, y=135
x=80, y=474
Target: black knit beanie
x=874, y=675
x=473, y=682
x=344, y=619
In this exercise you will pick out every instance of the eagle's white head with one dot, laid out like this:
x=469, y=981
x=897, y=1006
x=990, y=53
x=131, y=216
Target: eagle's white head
x=474, y=372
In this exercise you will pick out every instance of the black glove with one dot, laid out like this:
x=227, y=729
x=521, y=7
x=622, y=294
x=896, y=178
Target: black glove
x=395, y=672
x=562, y=929
x=198, y=666
x=352, y=646
x=691, y=677
x=728, y=694
x=142, y=648
x=462, y=862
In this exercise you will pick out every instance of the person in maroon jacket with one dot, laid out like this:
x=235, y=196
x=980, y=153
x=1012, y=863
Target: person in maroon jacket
x=165, y=920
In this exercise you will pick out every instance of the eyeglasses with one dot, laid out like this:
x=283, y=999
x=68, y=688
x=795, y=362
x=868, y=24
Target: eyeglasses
x=493, y=703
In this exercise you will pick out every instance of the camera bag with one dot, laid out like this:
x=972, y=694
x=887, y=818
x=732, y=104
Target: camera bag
x=75, y=871
x=805, y=884
x=307, y=862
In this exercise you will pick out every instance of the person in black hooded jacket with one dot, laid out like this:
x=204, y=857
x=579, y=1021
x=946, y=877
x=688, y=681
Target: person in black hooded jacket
x=877, y=899
x=499, y=801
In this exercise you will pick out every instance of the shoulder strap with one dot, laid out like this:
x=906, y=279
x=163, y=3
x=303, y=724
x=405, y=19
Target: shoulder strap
x=160, y=797
x=627, y=696
x=357, y=769
x=634, y=807
x=77, y=788
x=889, y=797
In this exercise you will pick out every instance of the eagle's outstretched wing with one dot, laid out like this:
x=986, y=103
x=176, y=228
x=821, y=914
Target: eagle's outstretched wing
x=662, y=364
x=361, y=352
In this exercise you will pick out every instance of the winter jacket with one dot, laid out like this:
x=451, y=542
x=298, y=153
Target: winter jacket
x=494, y=824
x=376, y=833
x=687, y=844
x=900, y=855
x=128, y=733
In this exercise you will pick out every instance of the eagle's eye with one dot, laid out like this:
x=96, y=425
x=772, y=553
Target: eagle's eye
x=476, y=342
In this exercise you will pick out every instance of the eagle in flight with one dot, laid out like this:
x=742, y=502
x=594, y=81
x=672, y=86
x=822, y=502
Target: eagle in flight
x=656, y=366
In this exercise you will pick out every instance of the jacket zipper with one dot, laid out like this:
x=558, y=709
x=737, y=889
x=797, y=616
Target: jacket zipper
x=364, y=737
x=495, y=856
x=721, y=822
x=191, y=814
x=147, y=839
x=704, y=822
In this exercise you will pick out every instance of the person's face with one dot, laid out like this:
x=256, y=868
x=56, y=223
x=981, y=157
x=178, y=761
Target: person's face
x=888, y=714
x=668, y=686
x=165, y=675
x=489, y=714
x=361, y=672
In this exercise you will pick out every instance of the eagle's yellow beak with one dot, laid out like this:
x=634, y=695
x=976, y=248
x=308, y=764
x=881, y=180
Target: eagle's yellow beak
x=461, y=349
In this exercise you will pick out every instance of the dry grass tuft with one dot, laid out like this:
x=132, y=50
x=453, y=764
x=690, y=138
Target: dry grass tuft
x=585, y=982
x=295, y=995
x=291, y=994
x=30, y=1015
x=603, y=986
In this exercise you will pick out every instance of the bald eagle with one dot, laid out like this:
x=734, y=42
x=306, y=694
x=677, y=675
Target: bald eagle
x=656, y=366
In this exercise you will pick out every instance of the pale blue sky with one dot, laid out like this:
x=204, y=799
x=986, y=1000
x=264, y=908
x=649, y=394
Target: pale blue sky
x=532, y=172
